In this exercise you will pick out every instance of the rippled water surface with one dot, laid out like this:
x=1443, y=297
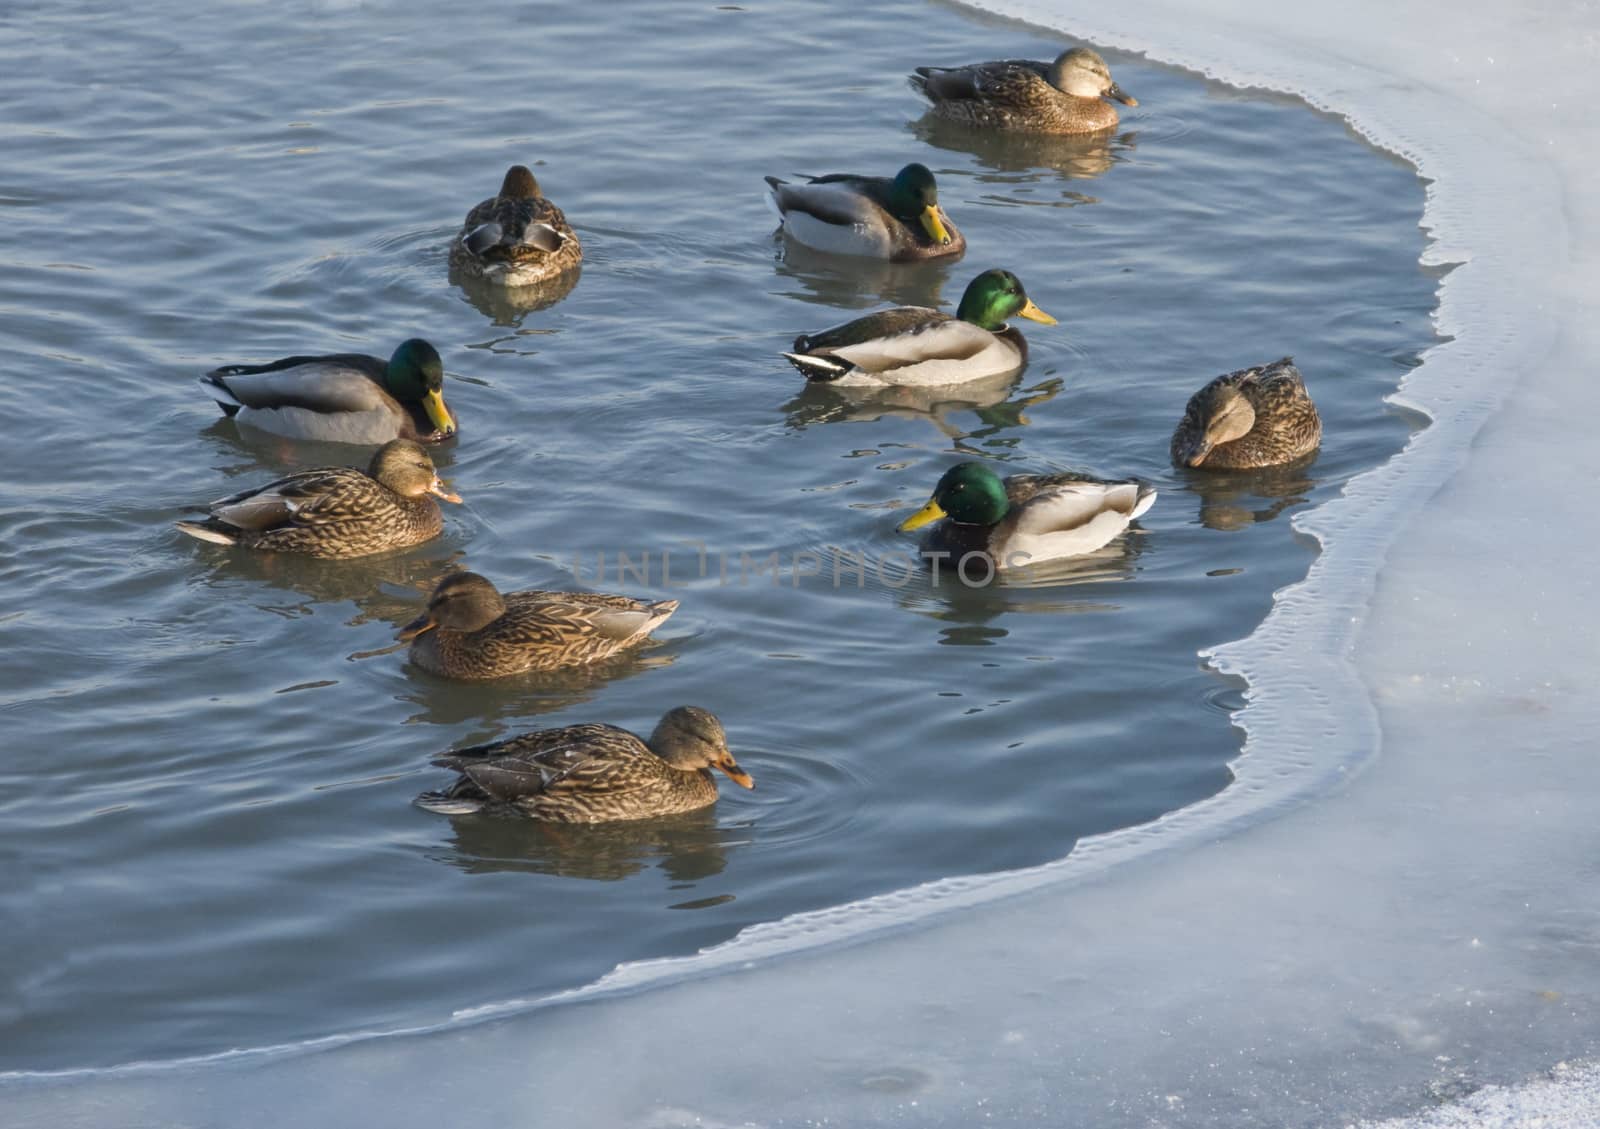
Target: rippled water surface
x=209, y=758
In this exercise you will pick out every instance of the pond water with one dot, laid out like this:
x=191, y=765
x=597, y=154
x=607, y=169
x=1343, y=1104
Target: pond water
x=211, y=757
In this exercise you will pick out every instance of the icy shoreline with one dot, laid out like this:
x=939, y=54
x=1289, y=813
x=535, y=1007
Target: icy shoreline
x=1415, y=933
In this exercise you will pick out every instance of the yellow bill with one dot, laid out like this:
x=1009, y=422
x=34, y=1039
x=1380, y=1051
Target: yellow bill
x=1034, y=313
x=933, y=225
x=438, y=414
x=928, y=513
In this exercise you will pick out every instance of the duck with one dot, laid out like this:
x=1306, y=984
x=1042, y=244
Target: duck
x=341, y=397
x=592, y=773
x=1065, y=96
x=1256, y=417
x=877, y=217
x=335, y=512
x=471, y=631
x=516, y=238
x=919, y=346
x=1025, y=519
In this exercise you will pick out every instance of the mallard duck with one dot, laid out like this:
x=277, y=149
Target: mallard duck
x=517, y=238
x=1059, y=97
x=1256, y=417
x=921, y=346
x=878, y=217
x=471, y=631
x=341, y=397
x=593, y=773
x=335, y=511
x=1026, y=518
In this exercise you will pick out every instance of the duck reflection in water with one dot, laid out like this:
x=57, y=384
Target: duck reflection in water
x=1082, y=156
x=442, y=701
x=686, y=848
x=855, y=283
x=1231, y=500
x=996, y=401
x=507, y=306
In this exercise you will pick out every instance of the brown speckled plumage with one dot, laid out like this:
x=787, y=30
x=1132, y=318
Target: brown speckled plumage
x=471, y=631
x=515, y=251
x=593, y=773
x=1064, y=96
x=334, y=511
x=1273, y=420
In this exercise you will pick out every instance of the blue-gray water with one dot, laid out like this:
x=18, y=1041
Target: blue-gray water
x=205, y=798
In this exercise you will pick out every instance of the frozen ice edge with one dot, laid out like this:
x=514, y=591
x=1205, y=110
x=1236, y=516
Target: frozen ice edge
x=1309, y=717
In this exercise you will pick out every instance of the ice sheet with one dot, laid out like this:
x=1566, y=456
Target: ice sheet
x=1427, y=927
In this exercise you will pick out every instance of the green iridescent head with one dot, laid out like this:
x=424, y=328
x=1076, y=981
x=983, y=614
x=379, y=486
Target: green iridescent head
x=415, y=375
x=914, y=197
x=969, y=493
x=994, y=296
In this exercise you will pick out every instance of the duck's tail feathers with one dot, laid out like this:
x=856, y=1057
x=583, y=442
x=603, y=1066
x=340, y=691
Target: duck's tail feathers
x=919, y=81
x=483, y=237
x=660, y=610
x=209, y=530
x=226, y=400
x=1145, y=499
x=542, y=237
x=819, y=367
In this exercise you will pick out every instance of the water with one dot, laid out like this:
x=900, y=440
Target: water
x=207, y=799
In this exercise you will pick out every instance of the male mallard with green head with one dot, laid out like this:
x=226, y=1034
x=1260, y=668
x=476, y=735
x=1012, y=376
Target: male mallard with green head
x=1256, y=417
x=1025, y=519
x=334, y=512
x=915, y=345
x=517, y=238
x=896, y=218
x=1065, y=96
x=471, y=631
x=341, y=397
x=593, y=773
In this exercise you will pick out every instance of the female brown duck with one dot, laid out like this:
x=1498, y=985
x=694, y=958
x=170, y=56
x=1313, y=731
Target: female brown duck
x=593, y=773
x=1256, y=417
x=471, y=631
x=335, y=511
x=1059, y=97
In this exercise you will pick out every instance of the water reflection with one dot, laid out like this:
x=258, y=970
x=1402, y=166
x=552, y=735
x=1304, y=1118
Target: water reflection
x=687, y=847
x=852, y=283
x=507, y=306
x=996, y=401
x=1238, y=499
x=1072, y=156
x=441, y=701
x=253, y=456
x=386, y=588
x=972, y=606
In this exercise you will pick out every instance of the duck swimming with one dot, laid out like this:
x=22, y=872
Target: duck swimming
x=517, y=238
x=340, y=397
x=471, y=631
x=915, y=345
x=1256, y=417
x=1060, y=97
x=1024, y=519
x=334, y=512
x=896, y=218
x=593, y=773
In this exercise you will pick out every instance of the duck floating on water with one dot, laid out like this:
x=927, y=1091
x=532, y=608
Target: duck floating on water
x=340, y=397
x=516, y=238
x=335, y=512
x=593, y=773
x=471, y=631
x=1256, y=417
x=916, y=345
x=1025, y=519
x=1065, y=96
x=896, y=218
